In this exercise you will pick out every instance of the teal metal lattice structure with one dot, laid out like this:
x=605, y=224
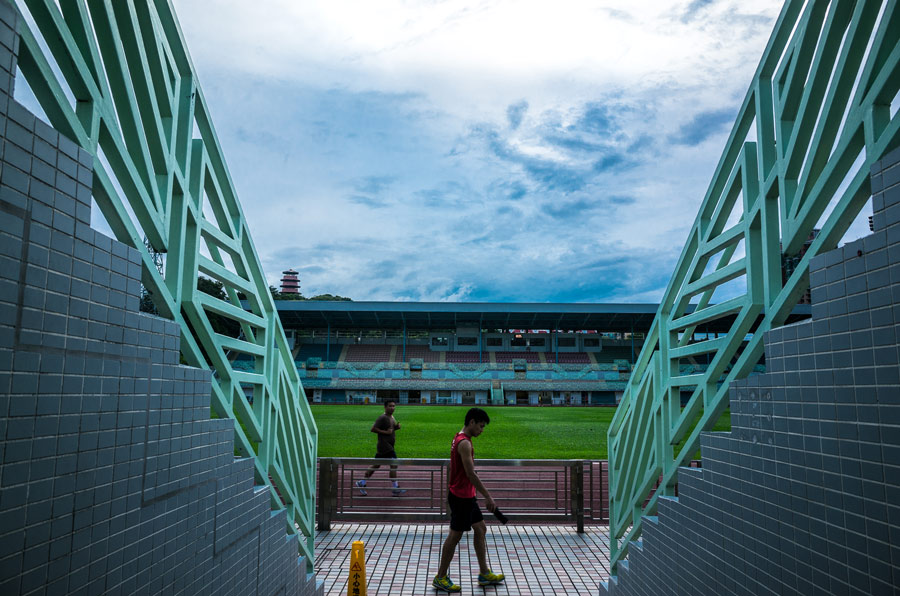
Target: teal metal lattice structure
x=115, y=76
x=817, y=115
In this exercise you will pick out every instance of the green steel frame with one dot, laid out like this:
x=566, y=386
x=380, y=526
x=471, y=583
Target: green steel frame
x=115, y=77
x=817, y=115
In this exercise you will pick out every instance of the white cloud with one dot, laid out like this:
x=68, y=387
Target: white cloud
x=483, y=54
x=370, y=142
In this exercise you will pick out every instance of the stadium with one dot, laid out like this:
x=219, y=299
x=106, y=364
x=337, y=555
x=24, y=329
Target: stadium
x=471, y=353
x=177, y=451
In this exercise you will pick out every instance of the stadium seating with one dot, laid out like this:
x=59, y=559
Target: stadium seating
x=422, y=352
x=368, y=353
x=384, y=366
x=570, y=358
x=464, y=357
x=612, y=353
x=318, y=351
x=507, y=357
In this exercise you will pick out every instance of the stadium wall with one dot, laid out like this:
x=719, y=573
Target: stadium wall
x=113, y=477
x=803, y=495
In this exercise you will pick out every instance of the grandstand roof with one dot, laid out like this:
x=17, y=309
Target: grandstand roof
x=298, y=314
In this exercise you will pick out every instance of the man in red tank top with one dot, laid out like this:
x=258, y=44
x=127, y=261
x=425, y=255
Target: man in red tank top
x=464, y=512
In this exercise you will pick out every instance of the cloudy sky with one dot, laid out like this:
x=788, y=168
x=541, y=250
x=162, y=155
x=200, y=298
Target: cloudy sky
x=500, y=150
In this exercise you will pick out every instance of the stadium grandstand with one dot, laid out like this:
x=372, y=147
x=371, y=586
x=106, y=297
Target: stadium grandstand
x=468, y=353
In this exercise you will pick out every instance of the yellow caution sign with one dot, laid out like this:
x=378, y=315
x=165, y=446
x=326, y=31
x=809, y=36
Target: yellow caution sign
x=356, y=584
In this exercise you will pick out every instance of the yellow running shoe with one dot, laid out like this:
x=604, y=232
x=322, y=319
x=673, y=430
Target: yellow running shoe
x=490, y=578
x=445, y=584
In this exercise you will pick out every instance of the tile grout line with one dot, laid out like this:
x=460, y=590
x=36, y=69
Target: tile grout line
x=401, y=559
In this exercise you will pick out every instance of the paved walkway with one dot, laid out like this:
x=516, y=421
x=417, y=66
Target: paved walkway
x=401, y=559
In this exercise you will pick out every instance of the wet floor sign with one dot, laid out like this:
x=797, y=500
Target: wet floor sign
x=356, y=584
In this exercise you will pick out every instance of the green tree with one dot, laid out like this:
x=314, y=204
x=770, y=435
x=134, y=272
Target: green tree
x=146, y=303
x=277, y=295
x=221, y=325
x=324, y=297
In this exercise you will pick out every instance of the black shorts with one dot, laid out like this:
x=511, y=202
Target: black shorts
x=463, y=512
x=388, y=455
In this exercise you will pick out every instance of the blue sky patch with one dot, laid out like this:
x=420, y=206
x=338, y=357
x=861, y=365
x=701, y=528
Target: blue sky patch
x=413, y=150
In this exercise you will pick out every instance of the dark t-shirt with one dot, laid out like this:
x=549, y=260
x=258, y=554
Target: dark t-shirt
x=385, y=442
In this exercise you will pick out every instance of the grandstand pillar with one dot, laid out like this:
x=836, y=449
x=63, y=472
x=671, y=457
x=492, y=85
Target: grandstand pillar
x=404, y=341
x=328, y=345
x=632, y=342
x=556, y=344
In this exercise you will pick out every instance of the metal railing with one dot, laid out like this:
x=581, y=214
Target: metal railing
x=525, y=490
x=818, y=114
x=116, y=78
x=539, y=491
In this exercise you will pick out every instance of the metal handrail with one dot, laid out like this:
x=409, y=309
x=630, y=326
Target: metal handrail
x=483, y=463
x=159, y=172
x=793, y=177
x=558, y=493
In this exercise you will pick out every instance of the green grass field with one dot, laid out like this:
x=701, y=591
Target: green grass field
x=514, y=433
x=426, y=431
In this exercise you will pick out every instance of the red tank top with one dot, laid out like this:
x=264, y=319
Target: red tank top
x=459, y=480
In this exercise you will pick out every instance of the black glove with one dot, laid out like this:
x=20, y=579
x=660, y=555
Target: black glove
x=499, y=515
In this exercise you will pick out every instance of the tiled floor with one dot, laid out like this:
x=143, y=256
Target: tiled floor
x=401, y=559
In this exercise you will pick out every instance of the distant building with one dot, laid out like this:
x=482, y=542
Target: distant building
x=290, y=283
